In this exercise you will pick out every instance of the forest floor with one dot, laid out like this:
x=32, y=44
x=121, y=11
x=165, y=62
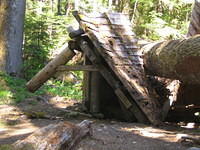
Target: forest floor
x=19, y=121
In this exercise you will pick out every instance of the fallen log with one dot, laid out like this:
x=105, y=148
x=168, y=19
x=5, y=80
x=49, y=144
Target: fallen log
x=61, y=136
x=48, y=71
x=175, y=59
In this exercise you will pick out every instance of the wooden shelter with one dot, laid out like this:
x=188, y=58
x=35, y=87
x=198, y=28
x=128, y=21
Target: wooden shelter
x=115, y=82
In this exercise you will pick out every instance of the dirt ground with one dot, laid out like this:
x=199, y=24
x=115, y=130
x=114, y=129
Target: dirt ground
x=17, y=122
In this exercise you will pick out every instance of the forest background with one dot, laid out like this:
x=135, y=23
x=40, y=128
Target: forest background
x=45, y=31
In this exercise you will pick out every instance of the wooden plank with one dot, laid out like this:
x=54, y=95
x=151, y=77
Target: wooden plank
x=90, y=15
x=115, y=19
x=78, y=68
x=132, y=78
x=118, y=19
x=103, y=15
x=143, y=101
x=123, y=98
x=86, y=85
x=115, y=85
x=94, y=94
x=108, y=28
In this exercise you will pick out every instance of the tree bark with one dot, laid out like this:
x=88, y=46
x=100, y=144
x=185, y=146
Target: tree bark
x=59, y=7
x=194, y=27
x=11, y=36
x=61, y=136
x=175, y=59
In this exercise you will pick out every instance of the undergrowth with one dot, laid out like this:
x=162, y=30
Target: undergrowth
x=13, y=90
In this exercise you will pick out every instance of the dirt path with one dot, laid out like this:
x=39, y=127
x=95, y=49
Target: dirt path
x=17, y=122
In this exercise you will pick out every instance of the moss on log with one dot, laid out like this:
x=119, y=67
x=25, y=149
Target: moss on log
x=175, y=59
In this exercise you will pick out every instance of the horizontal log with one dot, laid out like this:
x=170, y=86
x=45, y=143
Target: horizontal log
x=78, y=68
x=175, y=59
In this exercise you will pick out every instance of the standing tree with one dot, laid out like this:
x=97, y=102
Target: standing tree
x=194, y=27
x=11, y=36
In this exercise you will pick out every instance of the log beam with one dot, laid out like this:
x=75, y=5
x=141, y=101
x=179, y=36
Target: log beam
x=78, y=68
x=175, y=59
x=49, y=70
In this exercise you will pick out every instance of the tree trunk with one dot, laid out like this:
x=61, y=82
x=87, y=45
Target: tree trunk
x=61, y=136
x=194, y=27
x=175, y=59
x=59, y=7
x=11, y=36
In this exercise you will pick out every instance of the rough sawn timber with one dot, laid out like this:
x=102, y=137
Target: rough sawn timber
x=129, y=71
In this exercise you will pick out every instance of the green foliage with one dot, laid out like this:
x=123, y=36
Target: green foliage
x=6, y=147
x=37, y=41
x=12, y=89
x=159, y=19
x=64, y=89
x=45, y=31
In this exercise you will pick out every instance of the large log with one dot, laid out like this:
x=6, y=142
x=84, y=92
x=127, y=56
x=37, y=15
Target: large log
x=175, y=59
x=61, y=136
x=48, y=71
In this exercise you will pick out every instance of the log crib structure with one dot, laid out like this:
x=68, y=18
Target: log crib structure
x=115, y=80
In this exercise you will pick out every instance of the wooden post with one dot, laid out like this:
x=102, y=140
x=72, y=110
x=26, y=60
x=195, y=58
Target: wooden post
x=86, y=85
x=47, y=72
x=94, y=95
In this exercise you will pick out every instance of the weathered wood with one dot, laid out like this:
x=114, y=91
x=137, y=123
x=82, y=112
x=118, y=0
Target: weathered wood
x=78, y=68
x=86, y=85
x=173, y=87
x=74, y=33
x=115, y=17
x=136, y=86
x=72, y=44
x=61, y=136
x=175, y=59
x=115, y=84
x=94, y=95
x=47, y=72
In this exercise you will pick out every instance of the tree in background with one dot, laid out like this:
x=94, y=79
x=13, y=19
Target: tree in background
x=160, y=19
x=194, y=27
x=11, y=35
